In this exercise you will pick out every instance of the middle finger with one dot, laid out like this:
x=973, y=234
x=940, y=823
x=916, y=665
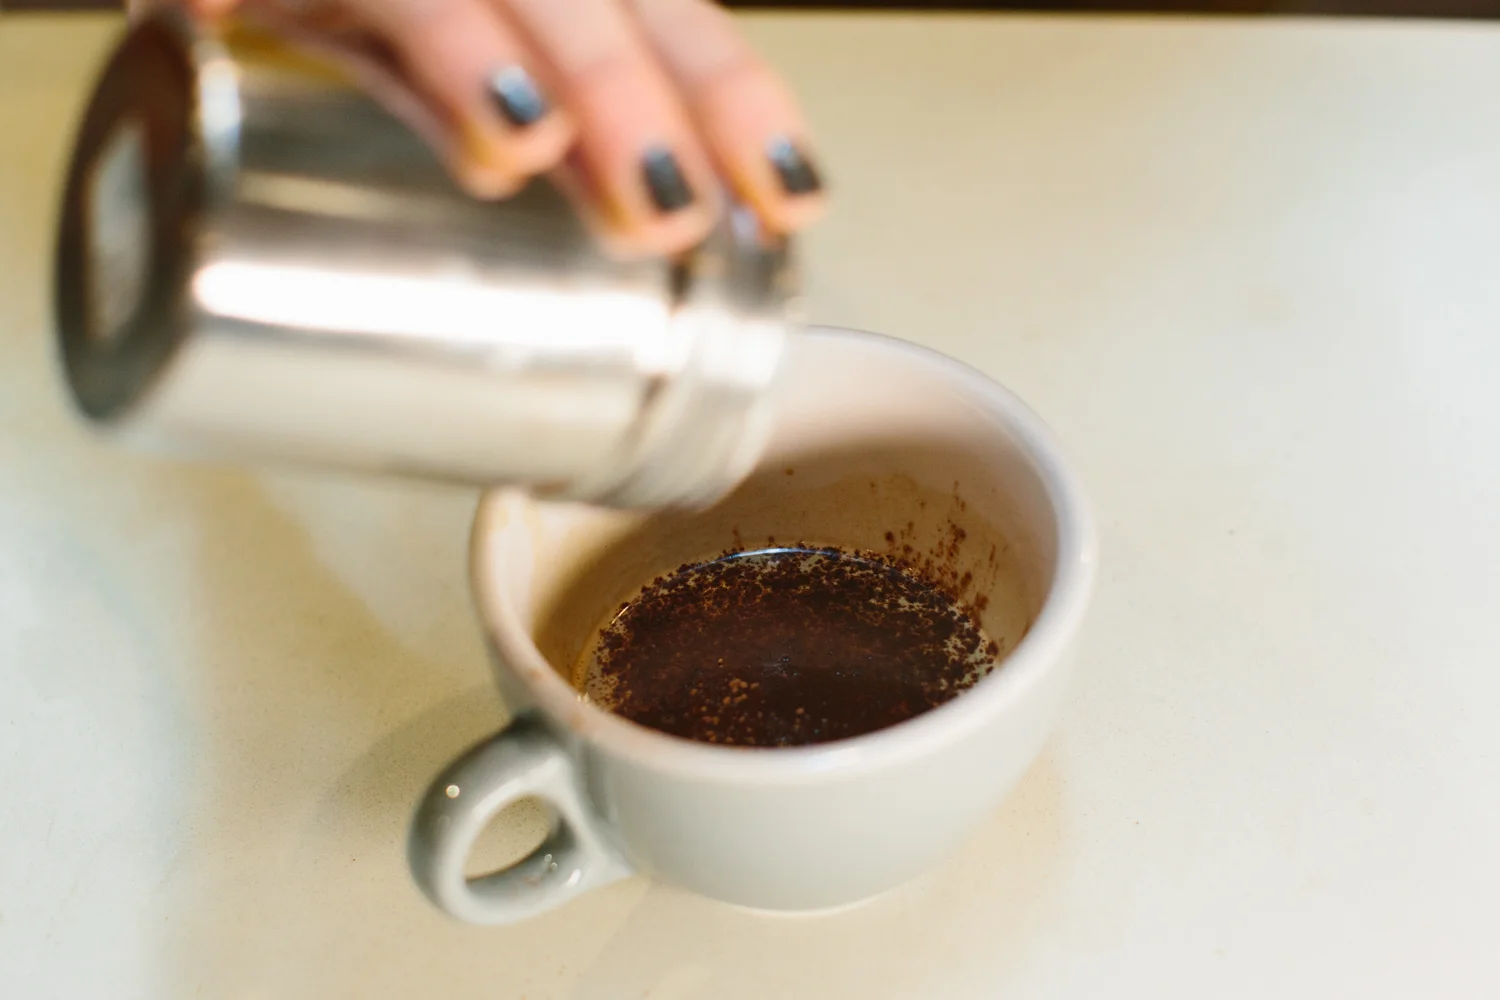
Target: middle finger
x=653, y=182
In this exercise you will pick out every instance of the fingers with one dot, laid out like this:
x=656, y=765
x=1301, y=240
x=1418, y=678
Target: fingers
x=641, y=109
x=639, y=163
x=742, y=110
x=464, y=57
x=213, y=8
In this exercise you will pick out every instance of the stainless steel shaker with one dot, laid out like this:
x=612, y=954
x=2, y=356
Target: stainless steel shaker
x=256, y=260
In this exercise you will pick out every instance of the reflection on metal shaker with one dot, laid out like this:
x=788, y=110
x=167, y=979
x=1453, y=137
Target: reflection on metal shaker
x=256, y=260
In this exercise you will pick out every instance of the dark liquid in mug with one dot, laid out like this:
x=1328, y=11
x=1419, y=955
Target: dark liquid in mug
x=782, y=647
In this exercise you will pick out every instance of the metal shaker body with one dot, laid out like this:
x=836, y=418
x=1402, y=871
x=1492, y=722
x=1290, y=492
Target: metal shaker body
x=256, y=260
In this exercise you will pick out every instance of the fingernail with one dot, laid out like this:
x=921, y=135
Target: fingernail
x=516, y=96
x=669, y=189
x=793, y=168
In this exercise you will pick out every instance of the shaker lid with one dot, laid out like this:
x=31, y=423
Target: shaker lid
x=135, y=189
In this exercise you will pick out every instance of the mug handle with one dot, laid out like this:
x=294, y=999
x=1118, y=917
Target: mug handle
x=520, y=761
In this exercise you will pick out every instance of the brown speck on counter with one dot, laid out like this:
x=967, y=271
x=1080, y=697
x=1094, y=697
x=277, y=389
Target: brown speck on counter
x=786, y=647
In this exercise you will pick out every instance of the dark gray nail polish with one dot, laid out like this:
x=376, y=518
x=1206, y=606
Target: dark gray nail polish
x=516, y=96
x=669, y=189
x=793, y=168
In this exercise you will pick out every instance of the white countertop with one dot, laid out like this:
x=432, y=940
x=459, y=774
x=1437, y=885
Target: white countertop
x=1249, y=271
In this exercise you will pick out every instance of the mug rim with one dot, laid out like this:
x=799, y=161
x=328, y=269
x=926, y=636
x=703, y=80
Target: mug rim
x=1040, y=650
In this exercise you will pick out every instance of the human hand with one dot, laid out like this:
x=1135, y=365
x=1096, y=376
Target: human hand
x=644, y=111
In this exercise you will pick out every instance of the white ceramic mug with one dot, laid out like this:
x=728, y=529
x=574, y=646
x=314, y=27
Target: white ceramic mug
x=880, y=445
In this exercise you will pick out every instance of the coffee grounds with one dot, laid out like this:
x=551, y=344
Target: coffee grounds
x=782, y=647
